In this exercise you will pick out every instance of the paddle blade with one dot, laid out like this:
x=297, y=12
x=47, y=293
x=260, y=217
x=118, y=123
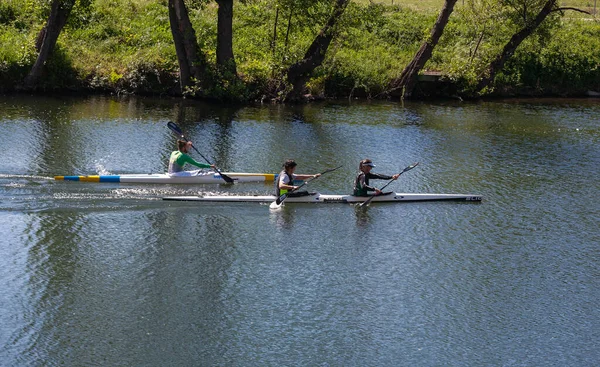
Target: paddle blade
x=175, y=128
x=410, y=167
x=226, y=178
x=280, y=199
x=366, y=202
x=274, y=206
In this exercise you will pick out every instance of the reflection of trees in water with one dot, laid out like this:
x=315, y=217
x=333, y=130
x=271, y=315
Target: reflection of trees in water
x=298, y=133
x=52, y=136
x=193, y=117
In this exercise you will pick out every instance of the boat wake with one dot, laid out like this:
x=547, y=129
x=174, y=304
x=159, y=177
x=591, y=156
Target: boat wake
x=26, y=177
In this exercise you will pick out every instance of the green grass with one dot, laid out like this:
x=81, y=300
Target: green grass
x=424, y=5
x=436, y=5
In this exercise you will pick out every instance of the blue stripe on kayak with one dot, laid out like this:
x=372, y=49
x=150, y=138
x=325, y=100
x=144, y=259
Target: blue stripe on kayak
x=114, y=178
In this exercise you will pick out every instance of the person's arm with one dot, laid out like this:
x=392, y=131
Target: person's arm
x=187, y=159
x=365, y=186
x=285, y=185
x=379, y=176
x=305, y=177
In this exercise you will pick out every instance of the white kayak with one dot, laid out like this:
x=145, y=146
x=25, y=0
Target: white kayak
x=195, y=177
x=393, y=197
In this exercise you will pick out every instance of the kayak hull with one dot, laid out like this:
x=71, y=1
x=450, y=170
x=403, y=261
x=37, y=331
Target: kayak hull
x=196, y=177
x=324, y=198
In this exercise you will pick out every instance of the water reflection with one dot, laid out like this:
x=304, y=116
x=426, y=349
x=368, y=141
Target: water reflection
x=209, y=126
x=52, y=265
x=362, y=215
x=283, y=218
x=98, y=276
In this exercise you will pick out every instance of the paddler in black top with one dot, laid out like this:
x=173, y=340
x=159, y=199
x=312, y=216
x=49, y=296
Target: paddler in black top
x=285, y=180
x=361, y=183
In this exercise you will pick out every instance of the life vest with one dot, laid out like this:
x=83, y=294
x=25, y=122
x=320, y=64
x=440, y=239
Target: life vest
x=359, y=189
x=173, y=166
x=278, y=191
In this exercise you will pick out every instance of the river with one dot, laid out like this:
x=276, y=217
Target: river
x=109, y=274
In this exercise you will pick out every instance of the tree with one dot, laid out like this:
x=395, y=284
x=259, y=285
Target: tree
x=46, y=40
x=299, y=73
x=530, y=24
x=192, y=62
x=408, y=77
x=225, y=57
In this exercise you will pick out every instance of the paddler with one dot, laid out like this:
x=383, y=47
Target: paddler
x=285, y=180
x=180, y=157
x=361, y=183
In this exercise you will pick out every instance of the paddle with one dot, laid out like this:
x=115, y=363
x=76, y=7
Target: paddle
x=366, y=202
x=277, y=203
x=173, y=126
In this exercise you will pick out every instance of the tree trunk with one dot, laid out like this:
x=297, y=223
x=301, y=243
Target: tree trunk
x=192, y=63
x=46, y=41
x=274, y=40
x=408, y=77
x=511, y=46
x=299, y=73
x=289, y=27
x=225, y=36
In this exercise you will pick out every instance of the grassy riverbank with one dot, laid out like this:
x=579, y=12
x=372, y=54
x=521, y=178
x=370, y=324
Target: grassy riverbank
x=126, y=47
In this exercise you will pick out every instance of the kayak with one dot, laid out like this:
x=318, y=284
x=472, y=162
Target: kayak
x=393, y=197
x=196, y=177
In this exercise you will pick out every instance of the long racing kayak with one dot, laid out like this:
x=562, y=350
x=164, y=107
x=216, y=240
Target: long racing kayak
x=394, y=197
x=196, y=177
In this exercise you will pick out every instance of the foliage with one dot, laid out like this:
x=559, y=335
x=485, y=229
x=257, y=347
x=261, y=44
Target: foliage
x=479, y=32
x=371, y=50
x=7, y=13
x=126, y=46
x=475, y=34
x=17, y=55
x=60, y=73
x=568, y=62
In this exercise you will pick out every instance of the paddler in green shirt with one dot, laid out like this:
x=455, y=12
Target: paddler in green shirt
x=180, y=157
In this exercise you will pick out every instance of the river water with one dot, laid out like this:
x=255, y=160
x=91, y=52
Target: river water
x=109, y=274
